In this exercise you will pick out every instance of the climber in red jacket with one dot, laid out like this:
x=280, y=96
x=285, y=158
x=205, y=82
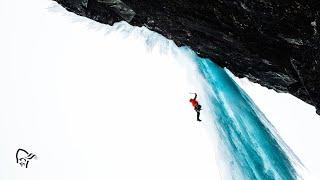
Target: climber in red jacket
x=196, y=105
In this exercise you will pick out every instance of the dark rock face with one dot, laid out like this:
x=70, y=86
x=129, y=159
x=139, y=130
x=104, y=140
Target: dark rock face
x=274, y=43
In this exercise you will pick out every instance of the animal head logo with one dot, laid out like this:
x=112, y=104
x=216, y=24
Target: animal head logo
x=23, y=157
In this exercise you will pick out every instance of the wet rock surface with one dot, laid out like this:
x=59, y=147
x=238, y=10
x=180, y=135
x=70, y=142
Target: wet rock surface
x=273, y=43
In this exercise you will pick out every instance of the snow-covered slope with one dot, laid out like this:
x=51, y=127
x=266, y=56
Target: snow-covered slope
x=94, y=101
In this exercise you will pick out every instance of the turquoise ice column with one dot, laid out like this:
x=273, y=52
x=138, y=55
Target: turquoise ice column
x=255, y=151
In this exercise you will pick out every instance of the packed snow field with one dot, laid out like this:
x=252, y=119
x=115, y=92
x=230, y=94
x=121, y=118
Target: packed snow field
x=111, y=102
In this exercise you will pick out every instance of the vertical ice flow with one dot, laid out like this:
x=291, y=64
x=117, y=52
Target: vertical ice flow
x=251, y=147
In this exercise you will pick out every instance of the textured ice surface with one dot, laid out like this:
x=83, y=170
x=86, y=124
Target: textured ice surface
x=100, y=102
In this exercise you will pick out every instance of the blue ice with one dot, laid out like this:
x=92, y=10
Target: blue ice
x=253, y=148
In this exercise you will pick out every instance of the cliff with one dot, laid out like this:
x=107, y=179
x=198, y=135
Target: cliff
x=273, y=43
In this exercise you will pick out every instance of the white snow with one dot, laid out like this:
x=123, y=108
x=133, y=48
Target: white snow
x=94, y=101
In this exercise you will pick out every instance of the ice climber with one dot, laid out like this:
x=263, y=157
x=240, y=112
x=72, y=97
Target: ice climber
x=196, y=105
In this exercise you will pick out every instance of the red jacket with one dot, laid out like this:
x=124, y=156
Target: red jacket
x=194, y=102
